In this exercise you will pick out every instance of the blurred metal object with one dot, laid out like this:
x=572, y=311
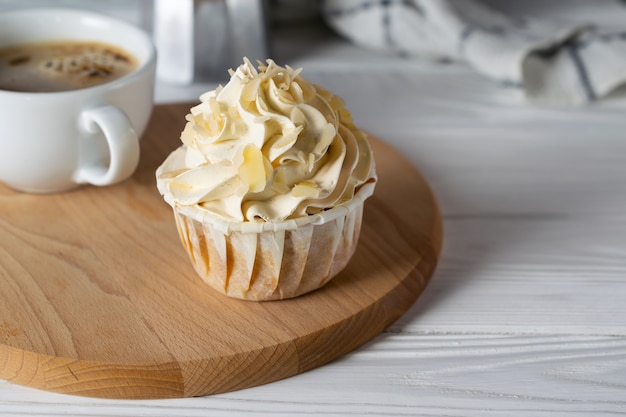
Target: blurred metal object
x=248, y=24
x=199, y=40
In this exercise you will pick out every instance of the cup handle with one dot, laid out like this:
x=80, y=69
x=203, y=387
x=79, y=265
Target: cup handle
x=122, y=142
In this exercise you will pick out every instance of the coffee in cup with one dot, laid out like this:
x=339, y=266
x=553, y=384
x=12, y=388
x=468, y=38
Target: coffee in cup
x=76, y=94
x=62, y=65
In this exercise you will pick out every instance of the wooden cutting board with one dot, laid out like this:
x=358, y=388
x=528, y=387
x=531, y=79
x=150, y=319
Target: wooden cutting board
x=98, y=297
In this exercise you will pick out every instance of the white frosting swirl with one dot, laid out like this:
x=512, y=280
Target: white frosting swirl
x=269, y=146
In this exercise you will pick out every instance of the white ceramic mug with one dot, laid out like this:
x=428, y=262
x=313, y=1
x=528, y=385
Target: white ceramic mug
x=56, y=141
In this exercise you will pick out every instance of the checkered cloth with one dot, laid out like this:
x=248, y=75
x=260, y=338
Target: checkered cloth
x=565, y=56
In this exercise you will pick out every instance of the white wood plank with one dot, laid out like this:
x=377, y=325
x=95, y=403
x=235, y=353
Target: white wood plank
x=522, y=172
x=533, y=276
x=405, y=375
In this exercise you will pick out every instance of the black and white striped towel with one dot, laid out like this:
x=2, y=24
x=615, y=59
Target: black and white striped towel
x=565, y=54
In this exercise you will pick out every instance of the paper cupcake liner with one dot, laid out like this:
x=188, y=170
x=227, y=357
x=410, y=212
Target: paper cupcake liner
x=272, y=261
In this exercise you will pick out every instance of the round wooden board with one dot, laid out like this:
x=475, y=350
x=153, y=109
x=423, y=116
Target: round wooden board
x=98, y=297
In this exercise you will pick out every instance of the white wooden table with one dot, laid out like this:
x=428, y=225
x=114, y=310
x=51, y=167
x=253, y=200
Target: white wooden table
x=526, y=313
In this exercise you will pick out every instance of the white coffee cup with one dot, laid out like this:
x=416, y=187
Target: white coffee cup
x=56, y=141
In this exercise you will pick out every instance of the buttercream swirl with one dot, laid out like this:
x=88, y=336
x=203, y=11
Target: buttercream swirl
x=268, y=146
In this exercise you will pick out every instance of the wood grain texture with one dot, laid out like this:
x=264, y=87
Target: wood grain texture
x=98, y=298
x=405, y=374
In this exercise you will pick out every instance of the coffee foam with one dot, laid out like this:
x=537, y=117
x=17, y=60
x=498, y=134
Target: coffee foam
x=60, y=66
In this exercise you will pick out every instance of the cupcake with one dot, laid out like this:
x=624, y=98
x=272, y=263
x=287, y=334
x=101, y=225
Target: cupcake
x=268, y=186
